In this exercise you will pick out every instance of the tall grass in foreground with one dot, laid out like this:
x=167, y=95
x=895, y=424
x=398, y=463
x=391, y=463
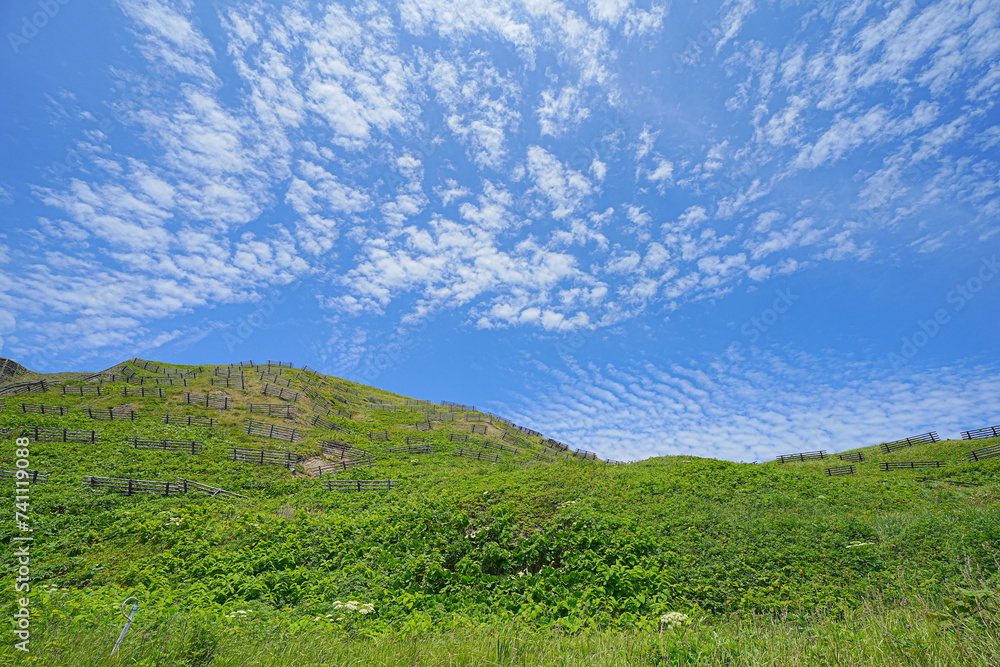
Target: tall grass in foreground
x=961, y=629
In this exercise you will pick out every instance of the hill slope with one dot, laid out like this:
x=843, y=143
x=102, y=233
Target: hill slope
x=543, y=536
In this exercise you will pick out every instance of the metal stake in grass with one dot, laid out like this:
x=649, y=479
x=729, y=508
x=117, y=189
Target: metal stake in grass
x=128, y=620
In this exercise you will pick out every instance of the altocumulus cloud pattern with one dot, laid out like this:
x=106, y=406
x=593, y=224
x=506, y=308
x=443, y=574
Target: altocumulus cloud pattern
x=726, y=229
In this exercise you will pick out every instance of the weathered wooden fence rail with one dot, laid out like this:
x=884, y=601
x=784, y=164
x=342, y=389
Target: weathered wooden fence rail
x=922, y=439
x=984, y=453
x=40, y=409
x=33, y=476
x=801, y=456
x=50, y=434
x=360, y=484
x=132, y=487
x=82, y=390
x=143, y=392
x=273, y=431
x=208, y=400
x=978, y=433
x=265, y=457
x=280, y=392
x=189, y=420
x=273, y=410
x=901, y=465
x=111, y=414
x=477, y=455
x=839, y=470
x=424, y=448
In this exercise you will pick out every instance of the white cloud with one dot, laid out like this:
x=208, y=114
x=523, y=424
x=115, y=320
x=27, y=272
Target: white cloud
x=747, y=409
x=564, y=187
x=558, y=114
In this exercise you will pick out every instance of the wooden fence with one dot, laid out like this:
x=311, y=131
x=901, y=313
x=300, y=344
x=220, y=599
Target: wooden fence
x=410, y=439
x=479, y=428
x=378, y=436
x=39, y=409
x=169, y=381
x=852, y=456
x=187, y=446
x=423, y=448
x=839, y=470
x=424, y=426
x=81, y=390
x=947, y=481
x=210, y=490
x=230, y=383
x=271, y=378
x=922, y=439
x=143, y=392
x=132, y=487
x=32, y=476
x=500, y=448
x=345, y=464
x=900, y=465
x=978, y=433
x=458, y=437
x=10, y=369
x=208, y=400
x=360, y=484
x=477, y=455
x=514, y=438
x=984, y=453
x=584, y=454
x=265, y=457
x=280, y=392
x=273, y=410
x=458, y=405
x=802, y=456
x=322, y=422
x=341, y=449
x=273, y=431
x=189, y=420
x=555, y=444
x=110, y=414
x=26, y=388
x=49, y=434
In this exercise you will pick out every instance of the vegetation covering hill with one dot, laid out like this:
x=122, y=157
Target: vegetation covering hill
x=544, y=556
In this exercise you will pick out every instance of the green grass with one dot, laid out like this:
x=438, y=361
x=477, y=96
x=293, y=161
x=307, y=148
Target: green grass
x=568, y=562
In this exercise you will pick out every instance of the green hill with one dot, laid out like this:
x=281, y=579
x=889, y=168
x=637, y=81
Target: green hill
x=542, y=556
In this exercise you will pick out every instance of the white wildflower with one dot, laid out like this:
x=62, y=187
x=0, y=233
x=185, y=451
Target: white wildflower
x=858, y=544
x=673, y=619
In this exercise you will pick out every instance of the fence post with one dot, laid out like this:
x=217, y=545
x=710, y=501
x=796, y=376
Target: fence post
x=129, y=487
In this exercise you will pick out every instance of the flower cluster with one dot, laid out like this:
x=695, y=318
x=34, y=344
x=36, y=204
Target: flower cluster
x=673, y=619
x=354, y=605
x=858, y=544
x=239, y=613
x=567, y=504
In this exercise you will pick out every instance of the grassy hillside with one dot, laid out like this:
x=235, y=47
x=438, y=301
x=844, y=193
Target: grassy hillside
x=540, y=558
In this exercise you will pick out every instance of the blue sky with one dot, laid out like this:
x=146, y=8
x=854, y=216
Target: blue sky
x=732, y=229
